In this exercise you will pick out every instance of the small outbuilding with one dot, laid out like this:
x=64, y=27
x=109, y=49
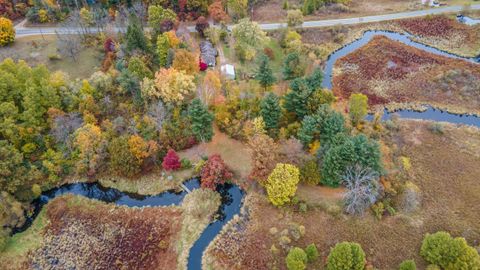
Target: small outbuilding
x=208, y=53
x=228, y=71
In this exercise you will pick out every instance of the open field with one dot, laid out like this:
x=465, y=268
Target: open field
x=443, y=32
x=36, y=50
x=450, y=189
x=388, y=71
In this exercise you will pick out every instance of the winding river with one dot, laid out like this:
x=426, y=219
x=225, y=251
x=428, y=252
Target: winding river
x=232, y=195
x=430, y=113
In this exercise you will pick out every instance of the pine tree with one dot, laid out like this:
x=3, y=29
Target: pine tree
x=264, y=73
x=135, y=37
x=271, y=111
x=201, y=120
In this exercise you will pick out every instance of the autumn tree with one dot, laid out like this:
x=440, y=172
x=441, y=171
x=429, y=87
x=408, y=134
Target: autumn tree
x=271, y=112
x=201, y=120
x=157, y=15
x=122, y=161
x=163, y=46
x=217, y=12
x=296, y=259
x=211, y=87
x=237, y=8
x=282, y=183
x=171, y=162
x=186, y=61
x=248, y=38
x=215, y=172
x=294, y=17
x=293, y=66
x=7, y=32
x=264, y=157
x=90, y=143
x=138, y=67
x=201, y=25
x=173, y=86
x=346, y=256
x=358, y=108
x=264, y=73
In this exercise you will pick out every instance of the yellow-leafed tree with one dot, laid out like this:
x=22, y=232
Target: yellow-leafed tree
x=172, y=85
x=7, y=32
x=282, y=183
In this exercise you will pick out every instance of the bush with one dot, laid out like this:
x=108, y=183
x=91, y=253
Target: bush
x=185, y=163
x=294, y=17
x=296, y=259
x=312, y=252
x=310, y=173
x=171, y=162
x=407, y=265
x=346, y=256
x=7, y=32
x=436, y=128
x=449, y=253
x=282, y=183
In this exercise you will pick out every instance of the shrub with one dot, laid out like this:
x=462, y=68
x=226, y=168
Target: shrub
x=407, y=265
x=185, y=163
x=171, y=162
x=346, y=256
x=436, y=128
x=312, y=252
x=411, y=197
x=449, y=253
x=296, y=259
x=215, y=172
x=432, y=267
x=7, y=32
x=358, y=108
x=282, y=183
x=294, y=17
x=310, y=173
x=363, y=189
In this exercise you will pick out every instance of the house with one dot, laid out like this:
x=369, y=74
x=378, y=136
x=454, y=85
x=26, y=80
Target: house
x=208, y=53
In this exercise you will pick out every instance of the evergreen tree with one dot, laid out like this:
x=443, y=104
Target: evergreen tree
x=292, y=66
x=296, y=100
x=264, y=73
x=270, y=111
x=135, y=38
x=201, y=120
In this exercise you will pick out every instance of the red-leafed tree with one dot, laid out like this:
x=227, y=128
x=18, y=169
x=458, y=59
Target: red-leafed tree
x=109, y=45
x=215, y=172
x=181, y=5
x=202, y=66
x=171, y=162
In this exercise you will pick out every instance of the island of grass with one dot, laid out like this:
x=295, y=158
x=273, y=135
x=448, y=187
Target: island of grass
x=388, y=72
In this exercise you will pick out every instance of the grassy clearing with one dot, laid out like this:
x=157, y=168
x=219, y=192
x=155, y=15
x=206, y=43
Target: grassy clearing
x=36, y=50
x=450, y=194
x=18, y=246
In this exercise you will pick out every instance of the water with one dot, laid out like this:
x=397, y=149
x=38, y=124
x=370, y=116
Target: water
x=231, y=196
x=467, y=20
x=430, y=113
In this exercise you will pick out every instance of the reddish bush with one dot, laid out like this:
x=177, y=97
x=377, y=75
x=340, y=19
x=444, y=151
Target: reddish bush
x=108, y=61
x=215, y=172
x=109, y=45
x=203, y=66
x=171, y=162
x=181, y=5
x=269, y=52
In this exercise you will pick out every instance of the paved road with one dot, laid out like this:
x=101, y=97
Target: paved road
x=24, y=31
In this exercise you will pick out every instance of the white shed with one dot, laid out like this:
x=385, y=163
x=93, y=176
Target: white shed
x=228, y=71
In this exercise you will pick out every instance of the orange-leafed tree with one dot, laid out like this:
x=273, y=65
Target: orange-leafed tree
x=217, y=11
x=186, y=61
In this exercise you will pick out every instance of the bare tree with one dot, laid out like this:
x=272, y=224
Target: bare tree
x=158, y=113
x=63, y=128
x=363, y=189
x=68, y=45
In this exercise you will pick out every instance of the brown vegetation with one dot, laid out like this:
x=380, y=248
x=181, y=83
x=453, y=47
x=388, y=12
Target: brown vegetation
x=389, y=71
x=84, y=232
x=449, y=188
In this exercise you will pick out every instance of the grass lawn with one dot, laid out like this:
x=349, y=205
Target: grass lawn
x=36, y=50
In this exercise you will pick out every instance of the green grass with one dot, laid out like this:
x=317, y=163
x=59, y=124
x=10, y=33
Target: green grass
x=277, y=62
x=18, y=246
